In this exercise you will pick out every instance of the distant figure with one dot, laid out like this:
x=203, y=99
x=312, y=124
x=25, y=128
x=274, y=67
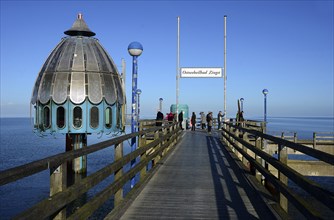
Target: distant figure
x=193, y=121
x=237, y=118
x=241, y=118
x=203, y=120
x=209, y=121
x=181, y=119
x=159, y=118
x=170, y=118
x=220, y=119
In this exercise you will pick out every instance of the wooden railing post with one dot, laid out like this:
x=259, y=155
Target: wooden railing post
x=164, y=132
x=314, y=140
x=233, y=149
x=264, y=148
x=154, y=161
x=258, y=159
x=58, y=183
x=220, y=132
x=244, y=148
x=229, y=137
x=159, y=133
x=118, y=174
x=177, y=134
x=141, y=143
x=295, y=139
x=118, y=197
x=283, y=158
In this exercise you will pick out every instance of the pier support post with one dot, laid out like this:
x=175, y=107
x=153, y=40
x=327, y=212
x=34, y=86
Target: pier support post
x=173, y=129
x=118, y=197
x=239, y=155
x=258, y=159
x=164, y=132
x=118, y=174
x=283, y=158
x=75, y=142
x=58, y=183
x=157, y=136
x=231, y=139
x=244, y=148
x=67, y=173
x=265, y=149
x=141, y=143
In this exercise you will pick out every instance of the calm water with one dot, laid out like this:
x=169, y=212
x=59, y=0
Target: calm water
x=304, y=126
x=20, y=146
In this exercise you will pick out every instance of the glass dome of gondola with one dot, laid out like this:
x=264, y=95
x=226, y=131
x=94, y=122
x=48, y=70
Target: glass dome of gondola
x=78, y=89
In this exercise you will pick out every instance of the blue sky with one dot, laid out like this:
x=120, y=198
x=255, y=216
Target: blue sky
x=283, y=46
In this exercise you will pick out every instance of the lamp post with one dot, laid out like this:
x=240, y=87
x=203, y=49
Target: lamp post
x=160, y=104
x=265, y=92
x=242, y=104
x=135, y=50
x=264, y=163
x=138, y=92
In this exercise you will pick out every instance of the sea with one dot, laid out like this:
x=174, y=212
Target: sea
x=20, y=145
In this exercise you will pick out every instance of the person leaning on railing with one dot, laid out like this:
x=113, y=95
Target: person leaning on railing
x=220, y=119
x=159, y=118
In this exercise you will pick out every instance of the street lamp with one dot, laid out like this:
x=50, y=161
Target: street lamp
x=242, y=104
x=135, y=50
x=264, y=163
x=160, y=104
x=138, y=92
x=265, y=92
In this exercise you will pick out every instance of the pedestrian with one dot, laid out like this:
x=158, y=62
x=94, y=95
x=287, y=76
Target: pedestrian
x=209, y=121
x=241, y=118
x=159, y=118
x=181, y=119
x=193, y=121
x=220, y=119
x=203, y=120
x=170, y=118
x=237, y=118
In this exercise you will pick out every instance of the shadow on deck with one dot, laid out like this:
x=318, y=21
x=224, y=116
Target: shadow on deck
x=200, y=180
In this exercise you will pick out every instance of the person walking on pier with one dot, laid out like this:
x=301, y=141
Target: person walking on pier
x=209, y=121
x=193, y=121
x=159, y=118
x=237, y=118
x=170, y=118
x=203, y=120
x=241, y=119
x=181, y=119
x=220, y=119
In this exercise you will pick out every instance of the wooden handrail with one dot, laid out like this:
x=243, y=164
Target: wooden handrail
x=293, y=197
x=58, y=201
x=324, y=196
x=29, y=169
x=323, y=156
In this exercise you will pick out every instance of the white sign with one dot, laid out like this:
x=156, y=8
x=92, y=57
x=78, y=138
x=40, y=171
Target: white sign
x=199, y=72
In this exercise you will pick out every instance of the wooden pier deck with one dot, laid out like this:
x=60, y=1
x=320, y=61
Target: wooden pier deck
x=200, y=180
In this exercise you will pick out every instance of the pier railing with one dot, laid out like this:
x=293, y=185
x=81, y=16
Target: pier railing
x=318, y=138
x=250, y=143
x=154, y=142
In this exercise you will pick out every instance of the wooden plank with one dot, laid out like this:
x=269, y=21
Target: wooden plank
x=198, y=181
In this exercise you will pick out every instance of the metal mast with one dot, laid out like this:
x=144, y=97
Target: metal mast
x=225, y=67
x=178, y=66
